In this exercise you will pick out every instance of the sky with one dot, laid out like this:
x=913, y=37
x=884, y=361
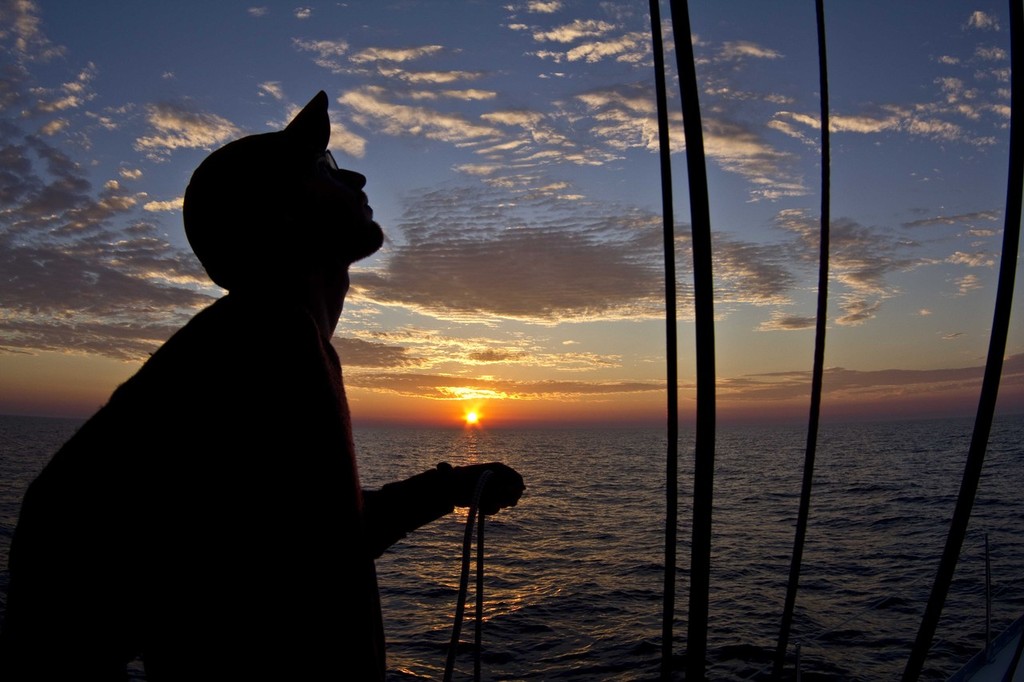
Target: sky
x=511, y=151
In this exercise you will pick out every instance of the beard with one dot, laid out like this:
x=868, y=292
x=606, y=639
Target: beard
x=362, y=242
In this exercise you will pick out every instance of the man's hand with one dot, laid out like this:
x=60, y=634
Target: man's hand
x=503, y=489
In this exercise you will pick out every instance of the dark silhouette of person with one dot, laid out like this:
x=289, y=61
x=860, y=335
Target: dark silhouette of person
x=210, y=516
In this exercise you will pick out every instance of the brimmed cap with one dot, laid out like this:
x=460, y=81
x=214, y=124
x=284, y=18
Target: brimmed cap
x=242, y=194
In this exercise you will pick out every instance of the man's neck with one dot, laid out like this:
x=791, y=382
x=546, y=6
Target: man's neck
x=321, y=294
x=324, y=297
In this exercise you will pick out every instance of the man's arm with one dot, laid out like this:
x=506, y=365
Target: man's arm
x=399, y=508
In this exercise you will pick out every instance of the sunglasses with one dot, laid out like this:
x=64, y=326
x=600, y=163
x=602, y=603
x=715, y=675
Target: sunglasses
x=327, y=159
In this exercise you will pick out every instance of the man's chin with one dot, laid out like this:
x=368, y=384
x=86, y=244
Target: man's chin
x=366, y=243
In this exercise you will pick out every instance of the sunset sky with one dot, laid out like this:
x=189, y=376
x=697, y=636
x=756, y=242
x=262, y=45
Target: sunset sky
x=511, y=151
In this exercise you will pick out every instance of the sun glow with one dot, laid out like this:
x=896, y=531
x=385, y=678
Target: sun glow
x=472, y=418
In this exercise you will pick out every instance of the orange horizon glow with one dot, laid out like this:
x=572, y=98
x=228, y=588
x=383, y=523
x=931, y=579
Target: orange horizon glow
x=76, y=388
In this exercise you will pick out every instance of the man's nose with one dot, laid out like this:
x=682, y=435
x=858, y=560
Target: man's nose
x=351, y=178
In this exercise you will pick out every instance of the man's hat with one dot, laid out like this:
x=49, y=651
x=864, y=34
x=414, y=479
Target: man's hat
x=243, y=194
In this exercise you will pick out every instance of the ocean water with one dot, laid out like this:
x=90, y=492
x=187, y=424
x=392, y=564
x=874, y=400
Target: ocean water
x=573, y=575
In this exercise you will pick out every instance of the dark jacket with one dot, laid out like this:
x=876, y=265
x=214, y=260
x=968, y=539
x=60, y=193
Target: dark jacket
x=210, y=518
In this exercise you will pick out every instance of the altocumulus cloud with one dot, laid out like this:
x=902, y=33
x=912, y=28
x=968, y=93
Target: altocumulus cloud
x=176, y=126
x=464, y=255
x=82, y=272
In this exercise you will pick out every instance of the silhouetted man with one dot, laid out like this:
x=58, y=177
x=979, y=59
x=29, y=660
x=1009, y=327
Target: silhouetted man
x=210, y=515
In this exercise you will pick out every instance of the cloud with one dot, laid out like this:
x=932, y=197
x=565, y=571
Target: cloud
x=328, y=52
x=372, y=110
x=543, y=6
x=466, y=253
x=756, y=274
x=429, y=77
x=856, y=311
x=972, y=260
x=179, y=127
x=959, y=219
x=842, y=385
x=391, y=54
x=71, y=95
x=258, y=11
x=467, y=95
x=162, y=206
x=628, y=47
x=783, y=322
x=303, y=13
x=55, y=126
x=272, y=89
x=81, y=272
x=742, y=49
x=981, y=20
x=967, y=284
x=359, y=353
x=625, y=117
x=445, y=387
x=430, y=349
x=579, y=28
x=20, y=24
x=861, y=259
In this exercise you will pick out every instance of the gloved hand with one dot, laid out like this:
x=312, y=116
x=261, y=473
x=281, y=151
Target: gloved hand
x=503, y=489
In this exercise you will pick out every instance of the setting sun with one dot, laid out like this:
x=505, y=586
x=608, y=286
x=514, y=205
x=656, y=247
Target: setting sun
x=472, y=418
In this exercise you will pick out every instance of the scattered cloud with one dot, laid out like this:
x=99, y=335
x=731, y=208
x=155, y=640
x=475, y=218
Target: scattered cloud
x=271, y=89
x=427, y=349
x=463, y=255
x=981, y=20
x=961, y=219
x=74, y=282
x=390, y=54
x=175, y=126
x=371, y=109
x=328, y=53
x=845, y=385
x=780, y=321
x=972, y=260
x=20, y=25
x=861, y=261
x=579, y=28
x=445, y=387
x=303, y=13
x=543, y=6
x=742, y=49
x=164, y=206
x=967, y=284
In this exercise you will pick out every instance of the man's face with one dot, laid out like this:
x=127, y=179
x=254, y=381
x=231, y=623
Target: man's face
x=340, y=203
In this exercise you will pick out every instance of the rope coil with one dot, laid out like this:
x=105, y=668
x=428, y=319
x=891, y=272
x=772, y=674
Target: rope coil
x=460, y=605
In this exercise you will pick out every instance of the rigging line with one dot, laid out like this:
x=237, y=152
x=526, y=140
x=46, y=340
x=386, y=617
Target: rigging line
x=460, y=604
x=864, y=610
x=994, y=362
x=703, y=292
x=819, y=355
x=479, y=621
x=671, y=358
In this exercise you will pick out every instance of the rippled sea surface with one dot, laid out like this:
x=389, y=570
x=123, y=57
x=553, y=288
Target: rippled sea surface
x=574, y=574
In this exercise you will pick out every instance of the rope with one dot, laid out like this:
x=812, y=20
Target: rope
x=994, y=362
x=460, y=605
x=671, y=343
x=819, y=358
x=704, y=347
x=905, y=593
